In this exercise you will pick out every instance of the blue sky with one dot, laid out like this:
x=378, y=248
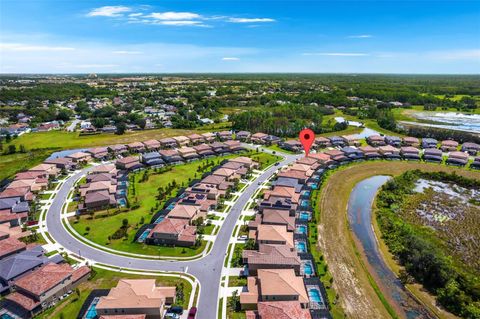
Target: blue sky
x=62, y=36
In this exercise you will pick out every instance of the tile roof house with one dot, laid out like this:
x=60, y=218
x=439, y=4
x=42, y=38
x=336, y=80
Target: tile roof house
x=271, y=257
x=410, y=153
x=49, y=169
x=243, y=135
x=229, y=174
x=457, y=158
x=204, y=150
x=23, y=192
x=471, y=148
x=352, y=153
x=336, y=155
x=80, y=157
x=389, y=151
x=225, y=135
x=411, y=141
x=322, y=158
x=104, y=169
x=10, y=246
x=187, y=212
x=61, y=162
x=136, y=297
x=98, y=152
x=291, y=145
x=273, y=217
x=34, y=185
x=259, y=138
x=136, y=147
x=295, y=174
x=108, y=186
x=337, y=141
x=322, y=142
x=152, y=159
x=369, y=152
x=282, y=191
x=152, y=145
x=171, y=156
x=245, y=161
x=449, y=146
x=273, y=234
x=234, y=146
x=274, y=285
x=393, y=140
x=429, y=142
x=433, y=155
x=351, y=140
x=129, y=163
x=181, y=140
x=209, y=137
x=37, y=289
x=99, y=199
x=220, y=148
x=188, y=153
x=173, y=231
x=13, y=205
x=168, y=142
x=279, y=310
x=118, y=149
x=196, y=139
x=376, y=140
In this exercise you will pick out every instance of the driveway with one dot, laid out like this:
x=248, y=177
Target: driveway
x=207, y=270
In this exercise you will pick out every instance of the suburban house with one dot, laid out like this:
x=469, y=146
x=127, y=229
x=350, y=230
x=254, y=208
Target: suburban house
x=186, y=212
x=129, y=163
x=274, y=285
x=429, y=143
x=181, y=140
x=389, y=152
x=337, y=141
x=49, y=169
x=322, y=142
x=272, y=234
x=204, y=150
x=273, y=217
x=395, y=141
x=98, y=200
x=258, y=138
x=272, y=139
x=336, y=155
x=136, y=297
x=23, y=193
x=104, y=169
x=294, y=174
x=279, y=310
x=234, y=146
x=369, y=152
x=118, y=149
x=449, y=146
x=61, y=163
x=457, y=158
x=152, y=145
x=80, y=157
x=209, y=137
x=10, y=246
x=475, y=163
x=152, y=159
x=411, y=141
x=136, y=147
x=171, y=156
x=271, y=257
x=173, y=231
x=376, y=140
x=168, y=142
x=98, y=152
x=44, y=286
x=351, y=140
x=210, y=190
x=352, y=153
x=243, y=136
x=410, y=153
x=202, y=201
x=188, y=153
x=220, y=147
x=196, y=139
x=322, y=158
x=433, y=155
x=471, y=148
x=245, y=161
x=291, y=145
x=225, y=135
x=282, y=192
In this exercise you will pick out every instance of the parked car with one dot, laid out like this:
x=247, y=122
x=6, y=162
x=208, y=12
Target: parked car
x=175, y=309
x=171, y=315
x=192, y=313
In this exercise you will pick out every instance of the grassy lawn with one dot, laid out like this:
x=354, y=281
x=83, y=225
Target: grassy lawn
x=265, y=159
x=236, y=281
x=72, y=206
x=104, y=224
x=44, y=196
x=277, y=148
x=337, y=243
x=209, y=229
x=70, y=140
x=104, y=279
x=232, y=314
x=14, y=163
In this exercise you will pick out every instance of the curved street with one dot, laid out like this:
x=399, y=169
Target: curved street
x=207, y=270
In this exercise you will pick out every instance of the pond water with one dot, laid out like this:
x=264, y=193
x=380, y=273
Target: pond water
x=450, y=120
x=360, y=216
x=65, y=153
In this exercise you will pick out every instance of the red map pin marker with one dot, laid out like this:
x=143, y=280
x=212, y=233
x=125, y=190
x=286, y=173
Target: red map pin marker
x=307, y=137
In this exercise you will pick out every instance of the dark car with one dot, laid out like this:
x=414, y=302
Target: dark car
x=175, y=309
x=192, y=313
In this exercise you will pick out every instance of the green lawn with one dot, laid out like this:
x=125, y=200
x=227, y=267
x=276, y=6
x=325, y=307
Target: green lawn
x=14, y=163
x=232, y=314
x=277, y=148
x=236, y=281
x=105, y=223
x=209, y=229
x=104, y=279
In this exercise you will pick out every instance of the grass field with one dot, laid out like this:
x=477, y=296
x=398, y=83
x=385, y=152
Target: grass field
x=145, y=195
x=346, y=262
x=14, y=163
x=105, y=279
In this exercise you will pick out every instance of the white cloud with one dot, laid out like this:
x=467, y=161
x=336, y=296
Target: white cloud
x=171, y=15
x=360, y=36
x=127, y=52
x=181, y=23
x=348, y=54
x=109, y=11
x=135, y=14
x=29, y=47
x=230, y=59
x=250, y=20
x=456, y=55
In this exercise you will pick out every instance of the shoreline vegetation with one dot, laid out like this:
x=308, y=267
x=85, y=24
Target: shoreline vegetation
x=340, y=252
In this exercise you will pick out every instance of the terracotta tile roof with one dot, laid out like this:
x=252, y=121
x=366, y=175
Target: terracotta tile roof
x=460, y=155
x=45, y=278
x=293, y=174
x=208, y=135
x=213, y=179
x=128, y=160
x=183, y=211
x=78, y=155
x=152, y=143
x=278, y=217
x=376, y=138
x=282, y=282
x=274, y=233
x=411, y=140
x=409, y=149
x=30, y=175
x=450, y=143
x=24, y=301
x=259, y=135
x=282, y=191
x=195, y=136
x=251, y=295
x=243, y=160
x=202, y=147
x=181, y=139
x=10, y=245
x=223, y=172
x=322, y=157
x=80, y=273
x=135, y=294
x=174, y=226
x=134, y=145
x=282, y=310
x=272, y=255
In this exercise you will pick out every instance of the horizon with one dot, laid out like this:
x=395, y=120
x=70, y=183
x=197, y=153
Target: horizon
x=112, y=37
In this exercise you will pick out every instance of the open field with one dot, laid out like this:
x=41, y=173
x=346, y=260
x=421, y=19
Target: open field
x=104, y=224
x=346, y=263
x=105, y=279
x=13, y=163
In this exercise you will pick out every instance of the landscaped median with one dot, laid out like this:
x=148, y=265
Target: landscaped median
x=358, y=292
x=147, y=194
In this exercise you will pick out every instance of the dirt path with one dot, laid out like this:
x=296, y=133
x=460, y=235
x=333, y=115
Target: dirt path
x=345, y=262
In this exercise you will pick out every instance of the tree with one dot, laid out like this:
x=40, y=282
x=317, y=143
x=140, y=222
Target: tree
x=121, y=128
x=235, y=301
x=125, y=223
x=11, y=149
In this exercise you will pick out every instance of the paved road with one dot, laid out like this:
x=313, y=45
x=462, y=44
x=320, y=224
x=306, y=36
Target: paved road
x=207, y=270
x=73, y=125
